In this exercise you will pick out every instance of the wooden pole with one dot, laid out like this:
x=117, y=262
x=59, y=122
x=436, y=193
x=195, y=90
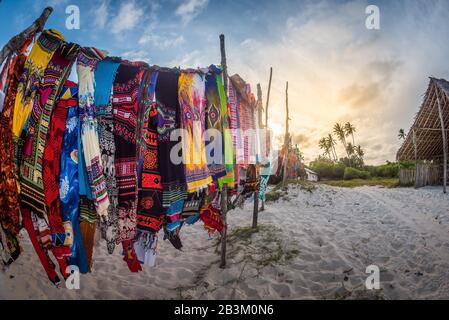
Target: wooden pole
x=443, y=132
x=17, y=42
x=268, y=98
x=286, y=139
x=224, y=192
x=416, y=157
x=259, y=117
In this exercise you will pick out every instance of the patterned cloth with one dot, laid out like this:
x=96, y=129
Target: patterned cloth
x=214, y=122
x=68, y=181
x=192, y=104
x=32, y=193
x=172, y=174
x=234, y=126
x=125, y=103
x=150, y=213
x=63, y=236
x=9, y=201
x=86, y=64
x=35, y=65
x=104, y=79
x=228, y=148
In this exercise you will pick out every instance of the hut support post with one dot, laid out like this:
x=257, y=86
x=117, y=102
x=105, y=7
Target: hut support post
x=286, y=139
x=18, y=41
x=443, y=132
x=416, y=157
x=224, y=192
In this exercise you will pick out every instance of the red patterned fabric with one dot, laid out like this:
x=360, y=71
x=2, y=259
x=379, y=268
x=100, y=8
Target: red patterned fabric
x=9, y=201
x=52, y=160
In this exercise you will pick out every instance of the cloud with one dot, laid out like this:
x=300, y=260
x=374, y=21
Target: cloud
x=136, y=55
x=189, y=9
x=101, y=15
x=127, y=18
x=161, y=42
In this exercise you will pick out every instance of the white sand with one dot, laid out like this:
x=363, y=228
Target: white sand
x=337, y=233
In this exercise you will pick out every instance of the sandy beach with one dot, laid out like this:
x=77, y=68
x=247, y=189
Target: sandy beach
x=310, y=245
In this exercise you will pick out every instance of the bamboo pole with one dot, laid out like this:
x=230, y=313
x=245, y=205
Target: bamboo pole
x=286, y=139
x=443, y=132
x=224, y=192
x=17, y=42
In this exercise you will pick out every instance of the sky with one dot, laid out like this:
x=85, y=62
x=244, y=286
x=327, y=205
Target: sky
x=337, y=69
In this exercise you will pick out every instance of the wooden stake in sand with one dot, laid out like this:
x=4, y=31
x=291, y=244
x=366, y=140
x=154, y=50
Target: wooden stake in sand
x=286, y=139
x=443, y=132
x=266, y=122
x=17, y=41
x=224, y=192
x=259, y=117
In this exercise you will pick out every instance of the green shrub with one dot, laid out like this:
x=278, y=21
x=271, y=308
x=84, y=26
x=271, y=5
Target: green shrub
x=352, y=173
x=327, y=169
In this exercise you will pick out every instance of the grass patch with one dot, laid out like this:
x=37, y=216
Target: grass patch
x=262, y=245
x=277, y=192
x=386, y=182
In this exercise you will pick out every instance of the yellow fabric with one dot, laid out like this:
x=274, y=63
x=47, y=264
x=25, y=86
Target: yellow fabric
x=35, y=66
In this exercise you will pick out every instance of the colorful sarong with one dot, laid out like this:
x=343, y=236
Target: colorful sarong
x=9, y=201
x=104, y=79
x=214, y=125
x=192, y=104
x=68, y=181
x=125, y=103
x=32, y=188
x=85, y=67
x=150, y=213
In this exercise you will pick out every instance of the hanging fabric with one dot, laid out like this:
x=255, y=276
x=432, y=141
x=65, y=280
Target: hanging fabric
x=9, y=201
x=172, y=174
x=104, y=78
x=87, y=61
x=214, y=122
x=35, y=65
x=68, y=179
x=125, y=108
x=228, y=149
x=234, y=126
x=192, y=104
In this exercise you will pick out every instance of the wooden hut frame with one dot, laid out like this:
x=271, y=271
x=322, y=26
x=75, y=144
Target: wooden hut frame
x=427, y=138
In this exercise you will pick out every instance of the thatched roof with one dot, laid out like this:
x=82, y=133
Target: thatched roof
x=427, y=125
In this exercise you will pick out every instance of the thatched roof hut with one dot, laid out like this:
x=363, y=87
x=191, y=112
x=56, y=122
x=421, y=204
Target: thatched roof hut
x=426, y=139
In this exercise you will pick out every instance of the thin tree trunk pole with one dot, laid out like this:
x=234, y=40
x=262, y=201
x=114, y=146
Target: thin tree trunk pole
x=416, y=157
x=224, y=192
x=443, y=132
x=256, y=192
x=261, y=125
x=286, y=139
x=268, y=98
x=17, y=42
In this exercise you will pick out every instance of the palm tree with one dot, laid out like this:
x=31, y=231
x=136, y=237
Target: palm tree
x=360, y=153
x=340, y=133
x=324, y=145
x=350, y=148
x=349, y=130
x=331, y=143
x=401, y=134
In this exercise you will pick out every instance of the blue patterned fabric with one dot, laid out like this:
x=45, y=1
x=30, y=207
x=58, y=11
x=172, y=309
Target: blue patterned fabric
x=69, y=188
